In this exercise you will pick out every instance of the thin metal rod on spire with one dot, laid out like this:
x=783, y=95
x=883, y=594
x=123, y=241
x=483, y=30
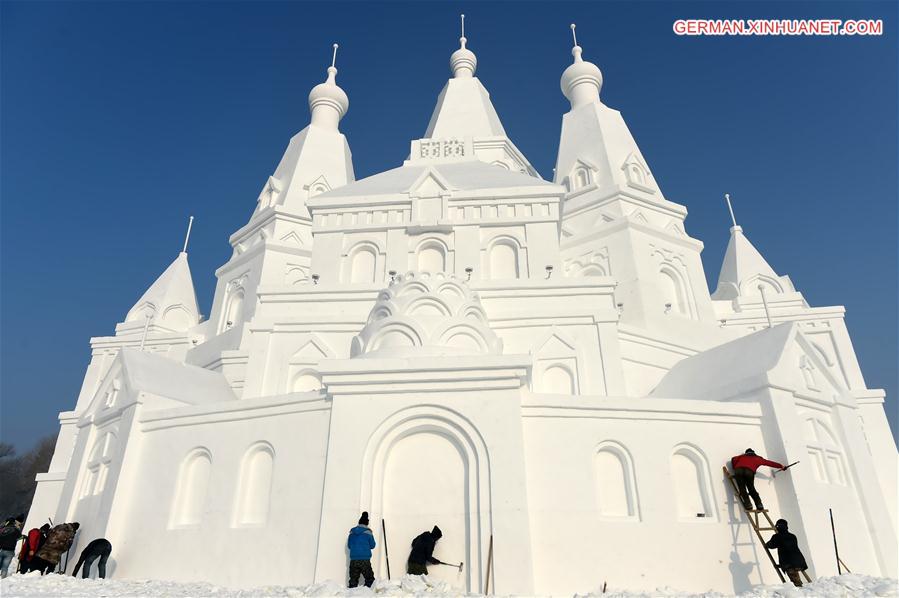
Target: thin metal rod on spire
x=334, y=57
x=761, y=289
x=190, y=223
x=143, y=338
x=463, y=25
x=574, y=33
x=730, y=208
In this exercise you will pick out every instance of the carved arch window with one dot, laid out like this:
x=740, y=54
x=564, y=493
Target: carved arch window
x=825, y=452
x=363, y=263
x=192, y=489
x=431, y=255
x=615, y=482
x=302, y=374
x=691, y=481
x=98, y=463
x=253, y=497
x=506, y=259
x=112, y=394
x=234, y=305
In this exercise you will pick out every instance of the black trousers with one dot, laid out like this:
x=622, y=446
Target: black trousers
x=363, y=568
x=89, y=560
x=38, y=564
x=745, y=479
x=416, y=568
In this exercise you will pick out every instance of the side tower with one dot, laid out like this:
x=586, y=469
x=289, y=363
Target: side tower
x=274, y=249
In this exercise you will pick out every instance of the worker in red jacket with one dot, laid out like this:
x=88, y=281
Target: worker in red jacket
x=29, y=547
x=745, y=466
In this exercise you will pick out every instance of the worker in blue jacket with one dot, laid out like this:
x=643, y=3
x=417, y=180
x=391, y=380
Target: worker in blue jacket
x=360, y=543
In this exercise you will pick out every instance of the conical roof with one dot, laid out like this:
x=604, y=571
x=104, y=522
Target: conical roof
x=743, y=264
x=464, y=108
x=170, y=300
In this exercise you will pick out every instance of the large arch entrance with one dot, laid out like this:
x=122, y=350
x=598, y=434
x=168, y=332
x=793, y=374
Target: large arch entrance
x=428, y=466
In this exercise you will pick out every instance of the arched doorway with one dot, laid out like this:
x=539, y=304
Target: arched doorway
x=428, y=465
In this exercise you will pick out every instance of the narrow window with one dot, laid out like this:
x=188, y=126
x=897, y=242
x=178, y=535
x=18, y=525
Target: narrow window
x=615, y=490
x=431, y=258
x=503, y=261
x=362, y=267
x=193, y=485
x=691, y=484
x=254, y=490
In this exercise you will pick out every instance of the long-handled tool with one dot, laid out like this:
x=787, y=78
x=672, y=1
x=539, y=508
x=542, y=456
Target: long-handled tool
x=459, y=566
x=785, y=468
x=386, y=554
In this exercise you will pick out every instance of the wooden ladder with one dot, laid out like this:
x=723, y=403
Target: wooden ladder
x=754, y=520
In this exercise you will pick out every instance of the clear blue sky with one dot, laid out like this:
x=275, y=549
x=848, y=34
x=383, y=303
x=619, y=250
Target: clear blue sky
x=121, y=119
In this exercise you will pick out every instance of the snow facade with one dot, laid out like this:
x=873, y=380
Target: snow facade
x=538, y=367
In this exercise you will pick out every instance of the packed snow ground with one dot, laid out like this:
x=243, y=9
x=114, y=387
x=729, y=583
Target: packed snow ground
x=34, y=585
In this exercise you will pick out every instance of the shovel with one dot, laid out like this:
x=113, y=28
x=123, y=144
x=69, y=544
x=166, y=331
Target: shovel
x=459, y=566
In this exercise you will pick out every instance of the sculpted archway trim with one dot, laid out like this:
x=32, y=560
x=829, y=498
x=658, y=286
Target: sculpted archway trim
x=464, y=435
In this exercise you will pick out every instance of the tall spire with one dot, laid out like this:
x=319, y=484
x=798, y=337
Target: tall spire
x=327, y=101
x=582, y=80
x=463, y=62
x=744, y=268
x=464, y=108
x=171, y=301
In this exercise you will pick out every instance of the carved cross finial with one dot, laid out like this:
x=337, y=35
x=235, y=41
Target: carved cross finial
x=574, y=33
x=730, y=208
x=334, y=57
x=190, y=223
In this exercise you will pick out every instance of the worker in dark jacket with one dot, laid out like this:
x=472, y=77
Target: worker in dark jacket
x=100, y=548
x=59, y=540
x=745, y=466
x=423, y=552
x=10, y=533
x=789, y=556
x=360, y=543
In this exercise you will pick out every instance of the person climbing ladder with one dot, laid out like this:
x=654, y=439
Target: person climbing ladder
x=745, y=466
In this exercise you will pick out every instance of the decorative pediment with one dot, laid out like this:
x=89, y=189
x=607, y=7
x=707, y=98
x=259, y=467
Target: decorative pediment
x=317, y=186
x=296, y=238
x=270, y=192
x=676, y=229
x=637, y=216
x=429, y=184
x=637, y=173
x=555, y=343
x=582, y=175
x=313, y=350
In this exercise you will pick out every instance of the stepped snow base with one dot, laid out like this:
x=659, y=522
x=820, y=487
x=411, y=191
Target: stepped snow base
x=26, y=586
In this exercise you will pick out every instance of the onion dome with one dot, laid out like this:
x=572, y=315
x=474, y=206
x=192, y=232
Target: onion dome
x=426, y=314
x=582, y=80
x=463, y=62
x=327, y=101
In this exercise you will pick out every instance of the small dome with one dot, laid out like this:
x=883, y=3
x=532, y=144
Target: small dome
x=463, y=62
x=328, y=102
x=582, y=81
x=426, y=314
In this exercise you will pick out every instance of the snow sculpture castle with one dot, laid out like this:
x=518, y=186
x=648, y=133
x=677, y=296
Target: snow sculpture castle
x=458, y=341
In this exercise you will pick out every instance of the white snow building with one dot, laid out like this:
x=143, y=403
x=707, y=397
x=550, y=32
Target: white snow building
x=536, y=366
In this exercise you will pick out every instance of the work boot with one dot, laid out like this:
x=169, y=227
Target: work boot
x=759, y=507
x=747, y=506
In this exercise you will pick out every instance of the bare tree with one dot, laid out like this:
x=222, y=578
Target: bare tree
x=17, y=474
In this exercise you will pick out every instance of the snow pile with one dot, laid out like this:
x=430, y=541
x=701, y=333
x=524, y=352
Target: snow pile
x=33, y=585
x=842, y=586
